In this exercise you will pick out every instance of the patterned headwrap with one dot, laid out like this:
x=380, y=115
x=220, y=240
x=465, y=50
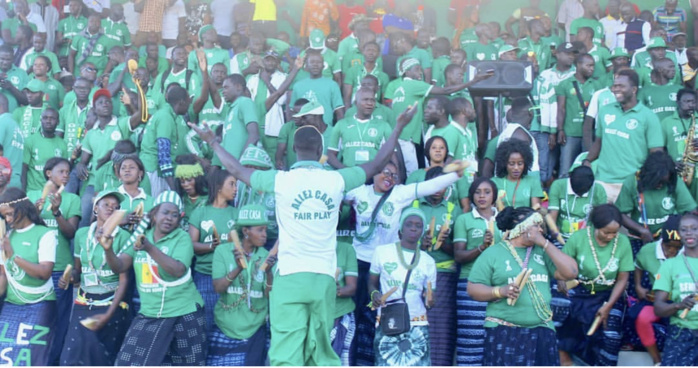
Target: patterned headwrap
x=169, y=196
x=523, y=226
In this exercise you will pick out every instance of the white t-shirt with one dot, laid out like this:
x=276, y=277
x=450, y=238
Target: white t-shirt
x=170, y=20
x=98, y=5
x=131, y=17
x=222, y=11
x=36, y=19
x=274, y=119
x=387, y=265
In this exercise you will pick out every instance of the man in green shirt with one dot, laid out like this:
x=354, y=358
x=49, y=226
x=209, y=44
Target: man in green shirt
x=407, y=48
x=354, y=76
x=358, y=137
x=438, y=124
x=573, y=95
x=643, y=62
x=29, y=117
x=241, y=127
x=483, y=49
x=441, y=51
x=332, y=68
x=660, y=94
x=320, y=89
x=591, y=11
x=535, y=43
x=676, y=126
x=39, y=148
x=214, y=54
x=164, y=138
x=115, y=27
x=53, y=89
x=69, y=27
x=285, y=156
x=601, y=55
x=91, y=45
x=179, y=73
x=12, y=79
x=626, y=132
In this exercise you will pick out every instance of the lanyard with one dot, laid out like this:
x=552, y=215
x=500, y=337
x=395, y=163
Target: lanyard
x=643, y=209
x=88, y=242
x=567, y=202
x=513, y=197
x=358, y=128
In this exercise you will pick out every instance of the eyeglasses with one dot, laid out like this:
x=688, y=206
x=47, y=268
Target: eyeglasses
x=89, y=69
x=389, y=174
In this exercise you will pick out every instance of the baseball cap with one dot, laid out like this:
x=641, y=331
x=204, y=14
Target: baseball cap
x=99, y=93
x=506, y=48
x=252, y=215
x=311, y=108
x=317, y=39
x=655, y=43
x=272, y=53
x=619, y=52
x=35, y=86
x=567, y=47
x=108, y=192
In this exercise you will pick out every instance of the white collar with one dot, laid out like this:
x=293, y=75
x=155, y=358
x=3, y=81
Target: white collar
x=476, y=213
x=140, y=195
x=659, y=252
x=26, y=228
x=571, y=192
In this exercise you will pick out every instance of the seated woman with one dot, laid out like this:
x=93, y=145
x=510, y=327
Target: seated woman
x=190, y=185
x=405, y=266
x=101, y=295
x=519, y=331
x=107, y=171
x=649, y=259
x=239, y=337
x=605, y=261
x=474, y=232
x=28, y=255
x=436, y=151
x=674, y=296
x=513, y=162
x=171, y=307
x=647, y=200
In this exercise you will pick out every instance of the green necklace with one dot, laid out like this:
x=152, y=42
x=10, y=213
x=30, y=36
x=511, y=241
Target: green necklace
x=401, y=257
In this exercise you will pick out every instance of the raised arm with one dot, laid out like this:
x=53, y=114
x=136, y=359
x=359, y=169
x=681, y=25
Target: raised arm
x=203, y=94
x=227, y=160
x=283, y=88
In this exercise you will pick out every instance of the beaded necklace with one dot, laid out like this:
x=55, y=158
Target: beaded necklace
x=539, y=304
x=401, y=257
x=600, y=277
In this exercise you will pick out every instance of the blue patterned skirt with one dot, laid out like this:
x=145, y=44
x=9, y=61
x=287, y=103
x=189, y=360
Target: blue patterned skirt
x=520, y=346
x=204, y=283
x=470, y=339
x=226, y=351
x=28, y=333
x=410, y=349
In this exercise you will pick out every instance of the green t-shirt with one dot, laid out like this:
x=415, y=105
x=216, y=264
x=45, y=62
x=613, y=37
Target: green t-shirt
x=594, y=24
x=443, y=212
x=37, y=150
x=578, y=247
x=28, y=118
x=205, y=219
x=602, y=61
x=359, y=141
x=541, y=51
x=117, y=31
x=190, y=206
x=519, y=193
x=163, y=124
x=348, y=266
x=19, y=79
x=288, y=130
x=357, y=58
x=129, y=203
x=660, y=99
x=242, y=112
x=214, y=116
x=70, y=27
x=332, y=64
x=658, y=203
x=438, y=67
x=574, y=114
x=479, y=52
x=53, y=92
x=99, y=142
x=12, y=142
x=627, y=137
x=242, y=309
x=30, y=57
x=72, y=123
x=573, y=210
x=647, y=259
x=674, y=278
x=452, y=194
x=97, y=277
x=470, y=229
x=675, y=132
x=213, y=56
x=355, y=74
x=33, y=244
x=416, y=53
x=70, y=207
x=408, y=91
x=159, y=298
x=322, y=90
x=381, y=112
x=348, y=45
x=98, y=56
x=497, y=266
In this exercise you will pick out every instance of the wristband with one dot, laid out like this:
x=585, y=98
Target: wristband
x=479, y=247
x=374, y=291
x=228, y=278
x=545, y=247
x=496, y=293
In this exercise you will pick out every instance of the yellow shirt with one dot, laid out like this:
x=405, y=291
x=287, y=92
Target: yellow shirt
x=264, y=10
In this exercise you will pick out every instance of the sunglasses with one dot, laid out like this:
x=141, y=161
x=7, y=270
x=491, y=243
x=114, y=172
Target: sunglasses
x=389, y=174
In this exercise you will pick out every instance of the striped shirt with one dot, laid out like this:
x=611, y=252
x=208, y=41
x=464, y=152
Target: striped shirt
x=670, y=22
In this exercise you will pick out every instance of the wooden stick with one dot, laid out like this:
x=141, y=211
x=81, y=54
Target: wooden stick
x=66, y=276
x=442, y=231
x=571, y=284
x=138, y=212
x=236, y=241
x=47, y=189
x=500, y=200
x=216, y=236
x=90, y=323
x=272, y=253
x=684, y=313
x=432, y=224
x=430, y=294
x=112, y=222
x=552, y=227
x=595, y=324
x=385, y=296
x=456, y=166
x=520, y=281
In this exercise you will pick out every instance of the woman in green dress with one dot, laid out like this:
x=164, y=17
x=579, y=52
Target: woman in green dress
x=171, y=307
x=239, y=336
x=29, y=310
x=101, y=293
x=519, y=331
x=513, y=162
x=209, y=226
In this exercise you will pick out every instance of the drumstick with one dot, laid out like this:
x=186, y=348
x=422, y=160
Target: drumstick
x=216, y=237
x=595, y=324
x=138, y=212
x=684, y=313
x=432, y=224
x=47, y=188
x=456, y=166
x=522, y=279
x=112, y=222
x=272, y=253
x=236, y=241
x=66, y=276
x=442, y=231
x=430, y=294
x=571, y=284
x=500, y=202
x=552, y=227
x=385, y=296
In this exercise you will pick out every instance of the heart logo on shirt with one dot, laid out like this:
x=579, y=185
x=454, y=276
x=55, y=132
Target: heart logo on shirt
x=207, y=225
x=390, y=267
x=363, y=206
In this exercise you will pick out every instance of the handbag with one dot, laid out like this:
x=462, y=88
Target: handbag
x=395, y=317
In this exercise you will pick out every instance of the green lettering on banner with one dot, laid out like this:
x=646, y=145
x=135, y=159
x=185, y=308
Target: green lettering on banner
x=24, y=355
x=42, y=331
x=3, y=333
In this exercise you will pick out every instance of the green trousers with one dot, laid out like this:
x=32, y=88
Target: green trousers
x=300, y=314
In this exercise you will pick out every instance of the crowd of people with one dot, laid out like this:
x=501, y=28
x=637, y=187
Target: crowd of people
x=228, y=183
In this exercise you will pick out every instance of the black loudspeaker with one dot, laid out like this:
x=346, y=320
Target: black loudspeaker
x=511, y=78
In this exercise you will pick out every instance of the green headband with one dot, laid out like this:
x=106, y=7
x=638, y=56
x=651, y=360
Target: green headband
x=188, y=171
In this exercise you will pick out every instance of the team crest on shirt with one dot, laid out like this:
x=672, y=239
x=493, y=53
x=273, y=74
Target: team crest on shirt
x=165, y=249
x=477, y=233
x=14, y=79
x=539, y=259
x=207, y=225
x=480, y=56
x=373, y=132
x=363, y=206
x=57, y=152
x=613, y=264
x=80, y=26
x=231, y=224
x=116, y=135
x=587, y=208
x=608, y=119
x=99, y=47
x=649, y=101
x=118, y=32
x=444, y=218
x=17, y=272
x=390, y=267
x=672, y=96
x=667, y=203
x=388, y=209
x=271, y=202
x=631, y=124
x=573, y=91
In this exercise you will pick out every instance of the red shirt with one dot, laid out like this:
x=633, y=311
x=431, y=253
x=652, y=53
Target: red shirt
x=346, y=14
